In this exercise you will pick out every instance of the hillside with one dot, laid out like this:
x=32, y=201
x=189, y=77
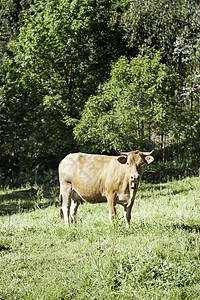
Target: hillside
x=157, y=258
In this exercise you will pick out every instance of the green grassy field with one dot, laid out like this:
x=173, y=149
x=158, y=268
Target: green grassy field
x=157, y=258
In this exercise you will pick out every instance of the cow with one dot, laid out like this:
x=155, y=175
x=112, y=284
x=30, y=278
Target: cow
x=99, y=179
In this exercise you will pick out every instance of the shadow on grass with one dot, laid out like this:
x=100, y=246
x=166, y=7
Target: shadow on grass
x=16, y=202
x=189, y=228
x=164, y=191
x=156, y=227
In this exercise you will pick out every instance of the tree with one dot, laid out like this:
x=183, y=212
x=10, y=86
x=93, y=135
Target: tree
x=64, y=50
x=65, y=44
x=132, y=108
x=57, y=54
x=170, y=26
x=11, y=18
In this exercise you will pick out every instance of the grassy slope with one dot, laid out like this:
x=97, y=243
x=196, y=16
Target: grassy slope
x=158, y=258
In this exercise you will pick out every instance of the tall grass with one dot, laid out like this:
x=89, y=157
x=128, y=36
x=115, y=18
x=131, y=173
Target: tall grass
x=157, y=258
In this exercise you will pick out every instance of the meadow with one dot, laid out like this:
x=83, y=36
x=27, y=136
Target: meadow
x=157, y=258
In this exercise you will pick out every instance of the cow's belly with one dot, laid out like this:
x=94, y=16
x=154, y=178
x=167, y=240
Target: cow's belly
x=94, y=198
x=89, y=195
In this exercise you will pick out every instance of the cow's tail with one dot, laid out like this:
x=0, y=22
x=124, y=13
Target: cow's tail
x=60, y=202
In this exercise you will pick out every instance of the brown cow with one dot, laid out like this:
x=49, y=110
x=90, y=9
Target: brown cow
x=100, y=178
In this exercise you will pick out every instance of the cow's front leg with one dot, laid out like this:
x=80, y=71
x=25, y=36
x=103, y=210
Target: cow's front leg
x=127, y=214
x=111, y=207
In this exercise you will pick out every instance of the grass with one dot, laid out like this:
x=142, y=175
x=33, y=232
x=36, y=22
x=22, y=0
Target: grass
x=157, y=258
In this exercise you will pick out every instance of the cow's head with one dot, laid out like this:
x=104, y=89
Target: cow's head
x=135, y=161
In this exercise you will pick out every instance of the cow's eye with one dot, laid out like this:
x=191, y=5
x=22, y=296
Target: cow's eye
x=142, y=163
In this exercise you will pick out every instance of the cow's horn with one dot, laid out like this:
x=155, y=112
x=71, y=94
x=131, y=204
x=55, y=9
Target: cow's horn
x=122, y=153
x=148, y=153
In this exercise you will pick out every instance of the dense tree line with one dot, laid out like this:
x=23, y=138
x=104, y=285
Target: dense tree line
x=96, y=75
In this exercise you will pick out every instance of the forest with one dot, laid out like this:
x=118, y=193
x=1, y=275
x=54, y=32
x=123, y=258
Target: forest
x=96, y=76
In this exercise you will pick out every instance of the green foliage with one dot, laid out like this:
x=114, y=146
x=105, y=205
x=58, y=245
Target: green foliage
x=11, y=20
x=46, y=77
x=136, y=102
x=172, y=26
x=157, y=258
x=60, y=60
x=64, y=43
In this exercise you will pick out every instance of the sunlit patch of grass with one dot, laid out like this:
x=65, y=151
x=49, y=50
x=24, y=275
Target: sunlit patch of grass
x=157, y=258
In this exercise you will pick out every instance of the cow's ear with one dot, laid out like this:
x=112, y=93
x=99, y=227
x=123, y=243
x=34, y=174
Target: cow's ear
x=149, y=159
x=122, y=159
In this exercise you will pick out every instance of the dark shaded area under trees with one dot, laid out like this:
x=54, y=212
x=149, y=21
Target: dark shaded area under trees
x=94, y=76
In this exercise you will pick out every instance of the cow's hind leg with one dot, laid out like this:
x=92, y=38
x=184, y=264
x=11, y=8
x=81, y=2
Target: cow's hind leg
x=65, y=201
x=73, y=210
x=60, y=202
x=75, y=202
x=111, y=207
